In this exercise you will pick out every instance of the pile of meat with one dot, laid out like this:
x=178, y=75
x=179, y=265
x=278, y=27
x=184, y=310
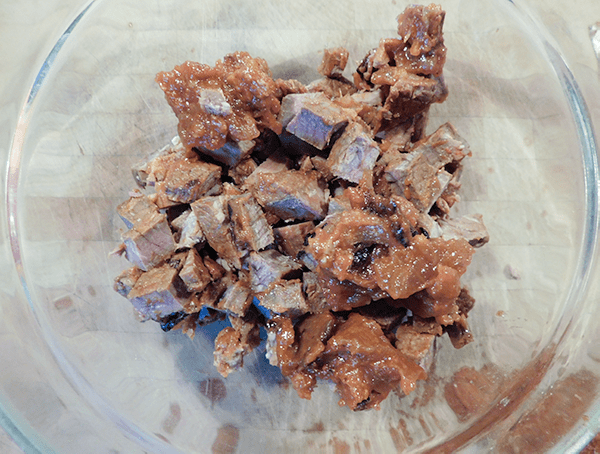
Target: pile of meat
x=320, y=213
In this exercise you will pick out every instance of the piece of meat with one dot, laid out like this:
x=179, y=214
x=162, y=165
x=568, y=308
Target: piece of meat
x=134, y=209
x=208, y=119
x=418, y=347
x=237, y=298
x=353, y=154
x=158, y=292
x=470, y=227
x=193, y=273
x=190, y=233
x=231, y=153
x=243, y=170
x=332, y=88
x=213, y=216
x=315, y=298
x=364, y=366
x=153, y=169
x=421, y=175
x=285, y=297
x=289, y=86
x=334, y=62
x=290, y=238
x=420, y=30
x=290, y=194
x=229, y=351
x=410, y=95
x=186, y=180
x=250, y=228
x=149, y=241
x=312, y=117
x=267, y=267
x=125, y=281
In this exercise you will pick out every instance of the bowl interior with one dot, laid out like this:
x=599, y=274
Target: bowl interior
x=98, y=111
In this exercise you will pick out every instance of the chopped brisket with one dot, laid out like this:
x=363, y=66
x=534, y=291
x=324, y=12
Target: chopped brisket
x=250, y=228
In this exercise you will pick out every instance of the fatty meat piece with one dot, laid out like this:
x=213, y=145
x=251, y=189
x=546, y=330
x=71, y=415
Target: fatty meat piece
x=193, y=273
x=134, y=209
x=267, y=267
x=237, y=298
x=285, y=297
x=470, y=227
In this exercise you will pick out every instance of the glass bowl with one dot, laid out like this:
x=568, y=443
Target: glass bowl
x=82, y=374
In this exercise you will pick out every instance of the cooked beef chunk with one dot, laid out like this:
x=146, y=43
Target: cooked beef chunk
x=213, y=216
x=290, y=238
x=415, y=345
x=363, y=364
x=230, y=349
x=136, y=208
x=470, y=227
x=332, y=88
x=250, y=228
x=194, y=274
x=315, y=297
x=186, y=180
x=243, y=170
x=208, y=119
x=285, y=297
x=313, y=117
x=237, y=298
x=289, y=87
x=125, y=281
x=290, y=194
x=231, y=153
x=149, y=241
x=334, y=62
x=267, y=267
x=190, y=234
x=158, y=292
x=354, y=154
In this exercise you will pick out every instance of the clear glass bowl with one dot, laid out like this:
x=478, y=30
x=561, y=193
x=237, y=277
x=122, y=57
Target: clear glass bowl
x=82, y=374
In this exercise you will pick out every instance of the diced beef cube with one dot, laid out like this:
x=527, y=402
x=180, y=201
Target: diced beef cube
x=243, y=170
x=292, y=104
x=234, y=342
x=412, y=95
x=421, y=174
x=190, y=233
x=429, y=225
x=285, y=297
x=290, y=194
x=213, y=216
x=214, y=268
x=149, y=241
x=125, y=281
x=332, y=88
x=153, y=169
x=229, y=351
x=158, y=292
x=187, y=180
x=290, y=238
x=334, y=62
x=353, y=154
x=470, y=227
x=444, y=146
x=231, y=153
x=236, y=299
x=415, y=345
x=194, y=274
x=377, y=367
x=211, y=121
x=134, y=209
x=251, y=230
x=289, y=86
x=315, y=298
x=267, y=267
x=313, y=117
